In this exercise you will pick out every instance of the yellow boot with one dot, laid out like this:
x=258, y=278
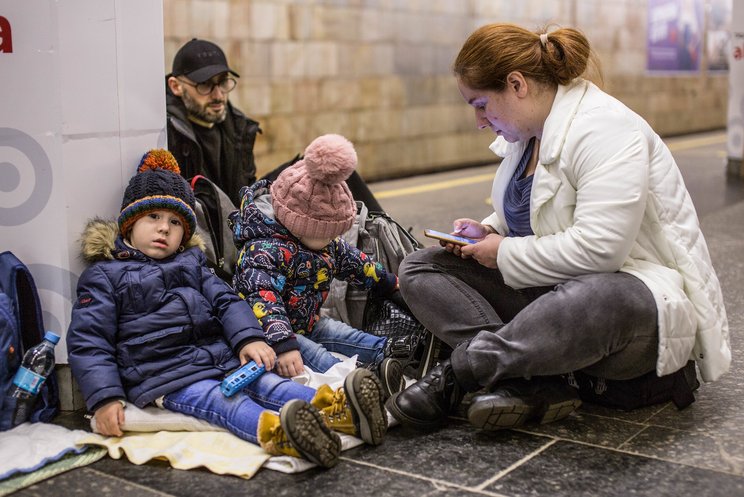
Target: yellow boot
x=357, y=409
x=298, y=431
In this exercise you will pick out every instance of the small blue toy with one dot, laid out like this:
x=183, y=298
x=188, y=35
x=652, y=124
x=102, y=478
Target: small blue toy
x=241, y=377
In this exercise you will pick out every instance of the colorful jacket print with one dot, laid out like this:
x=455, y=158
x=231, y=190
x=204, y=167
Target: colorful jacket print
x=286, y=283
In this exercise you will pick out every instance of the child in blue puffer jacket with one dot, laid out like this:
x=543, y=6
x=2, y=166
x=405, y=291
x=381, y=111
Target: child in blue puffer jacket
x=153, y=325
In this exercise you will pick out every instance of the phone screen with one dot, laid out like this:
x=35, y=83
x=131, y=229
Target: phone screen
x=440, y=235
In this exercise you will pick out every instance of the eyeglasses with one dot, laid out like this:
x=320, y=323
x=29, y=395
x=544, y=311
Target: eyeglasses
x=226, y=86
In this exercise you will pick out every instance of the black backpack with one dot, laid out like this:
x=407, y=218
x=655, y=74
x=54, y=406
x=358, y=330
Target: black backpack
x=212, y=208
x=645, y=390
x=21, y=327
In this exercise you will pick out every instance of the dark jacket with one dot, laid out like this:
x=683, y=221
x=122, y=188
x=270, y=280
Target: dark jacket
x=237, y=167
x=286, y=283
x=142, y=328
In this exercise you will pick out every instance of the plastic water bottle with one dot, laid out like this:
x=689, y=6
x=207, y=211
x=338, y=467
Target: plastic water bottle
x=37, y=363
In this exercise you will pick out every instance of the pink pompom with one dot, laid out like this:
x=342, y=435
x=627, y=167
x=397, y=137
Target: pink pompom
x=330, y=159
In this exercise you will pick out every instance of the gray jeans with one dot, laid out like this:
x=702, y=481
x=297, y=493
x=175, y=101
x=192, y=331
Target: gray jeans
x=604, y=324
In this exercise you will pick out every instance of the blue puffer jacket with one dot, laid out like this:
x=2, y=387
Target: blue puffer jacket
x=142, y=328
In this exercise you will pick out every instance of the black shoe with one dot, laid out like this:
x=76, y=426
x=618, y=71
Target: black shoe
x=426, y=404
x=390, y=372
x=514, y=402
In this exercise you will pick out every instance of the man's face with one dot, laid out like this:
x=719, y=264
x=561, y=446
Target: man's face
x=211, y=108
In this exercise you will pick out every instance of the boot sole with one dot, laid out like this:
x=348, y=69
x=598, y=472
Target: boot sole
x=493, y=417
x=307, y=432
x=365, y=395
x=559, y=410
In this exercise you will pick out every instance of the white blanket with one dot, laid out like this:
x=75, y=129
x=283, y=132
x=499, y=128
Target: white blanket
x=187, y=442
x=151, y=433
x=28, y=447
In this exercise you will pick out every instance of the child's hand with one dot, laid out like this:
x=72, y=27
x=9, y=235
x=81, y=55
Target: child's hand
x=290, y=364
x=109, y=418
x=260, y=352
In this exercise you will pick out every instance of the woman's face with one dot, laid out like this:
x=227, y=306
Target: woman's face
x=504, y=112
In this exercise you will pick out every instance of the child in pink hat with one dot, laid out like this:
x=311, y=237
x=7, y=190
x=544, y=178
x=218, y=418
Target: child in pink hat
x=289, y=231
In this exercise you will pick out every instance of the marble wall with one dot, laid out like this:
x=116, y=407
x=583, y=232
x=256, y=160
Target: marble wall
x=379, y=72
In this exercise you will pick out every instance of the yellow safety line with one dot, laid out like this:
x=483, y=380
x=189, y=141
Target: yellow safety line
x=696, y=142
x=441, y=185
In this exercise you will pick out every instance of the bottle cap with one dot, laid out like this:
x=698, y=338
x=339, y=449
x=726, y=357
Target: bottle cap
x=52, y=337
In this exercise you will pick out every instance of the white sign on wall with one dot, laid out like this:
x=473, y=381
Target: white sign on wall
x=735, y=123
x=82, y=98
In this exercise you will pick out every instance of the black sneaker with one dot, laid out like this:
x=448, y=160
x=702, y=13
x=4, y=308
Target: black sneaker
x=390, y=372
x=430, y=350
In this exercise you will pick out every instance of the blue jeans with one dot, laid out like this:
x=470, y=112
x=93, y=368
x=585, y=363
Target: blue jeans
x=329, y=335
x=238, y=414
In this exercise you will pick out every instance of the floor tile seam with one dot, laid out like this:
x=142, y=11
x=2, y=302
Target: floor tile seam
x=516, y=464
x=130, y=482
x=630, y=438
x=438, y=484
x=646, y=423
x=636, y=454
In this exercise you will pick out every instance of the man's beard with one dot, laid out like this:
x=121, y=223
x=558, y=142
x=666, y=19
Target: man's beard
x=203, y=113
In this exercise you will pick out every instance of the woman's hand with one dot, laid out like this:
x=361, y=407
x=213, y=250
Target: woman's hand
x=484, y=252
x=469, y=228
x=290, y=364
x=260, y=352
x=109, y=419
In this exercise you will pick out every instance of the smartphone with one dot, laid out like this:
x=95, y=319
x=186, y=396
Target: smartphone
x=440, y=235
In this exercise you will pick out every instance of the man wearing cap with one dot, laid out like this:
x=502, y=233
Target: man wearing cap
x=206, y=134
x=209, y=136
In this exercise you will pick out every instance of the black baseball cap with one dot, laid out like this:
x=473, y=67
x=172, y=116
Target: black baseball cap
x=200, y=60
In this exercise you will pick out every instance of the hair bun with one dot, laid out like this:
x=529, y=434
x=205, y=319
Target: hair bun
x=330, y=159
x=158, y=158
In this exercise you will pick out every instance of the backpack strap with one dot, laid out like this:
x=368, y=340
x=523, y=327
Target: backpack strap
x=18, y=283
x=194, y=179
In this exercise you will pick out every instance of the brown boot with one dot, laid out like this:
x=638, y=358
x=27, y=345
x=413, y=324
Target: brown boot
x=357, y=409
x=299, y=431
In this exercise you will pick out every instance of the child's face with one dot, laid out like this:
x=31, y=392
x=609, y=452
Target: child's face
x=315, y=243
x=157, y=234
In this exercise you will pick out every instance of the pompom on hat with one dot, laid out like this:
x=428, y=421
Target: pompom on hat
x=158, y=185
x=310, y=198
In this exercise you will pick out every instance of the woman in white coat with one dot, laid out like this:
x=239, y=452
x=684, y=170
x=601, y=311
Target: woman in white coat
x=592, y=261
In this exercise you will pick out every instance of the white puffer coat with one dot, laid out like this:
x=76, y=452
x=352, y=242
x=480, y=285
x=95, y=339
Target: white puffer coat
x=606, y=196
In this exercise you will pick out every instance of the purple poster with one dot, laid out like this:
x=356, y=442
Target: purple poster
x=675, y=34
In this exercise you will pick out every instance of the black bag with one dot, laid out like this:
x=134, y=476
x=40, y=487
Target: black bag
x=408, y=340
x=383, y=240
x=21, y=327
x=213, y=206
x=646, y=390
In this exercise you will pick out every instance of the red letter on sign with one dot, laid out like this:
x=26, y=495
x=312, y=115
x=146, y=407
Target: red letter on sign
x=6, y=41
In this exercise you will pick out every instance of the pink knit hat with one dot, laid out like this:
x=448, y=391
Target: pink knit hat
x=310, y=197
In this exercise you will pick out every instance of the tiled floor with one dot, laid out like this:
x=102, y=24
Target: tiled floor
x=596, y=452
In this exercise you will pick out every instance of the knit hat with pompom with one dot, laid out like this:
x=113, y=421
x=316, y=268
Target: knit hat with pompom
x=310, y=198
x=158, y=185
